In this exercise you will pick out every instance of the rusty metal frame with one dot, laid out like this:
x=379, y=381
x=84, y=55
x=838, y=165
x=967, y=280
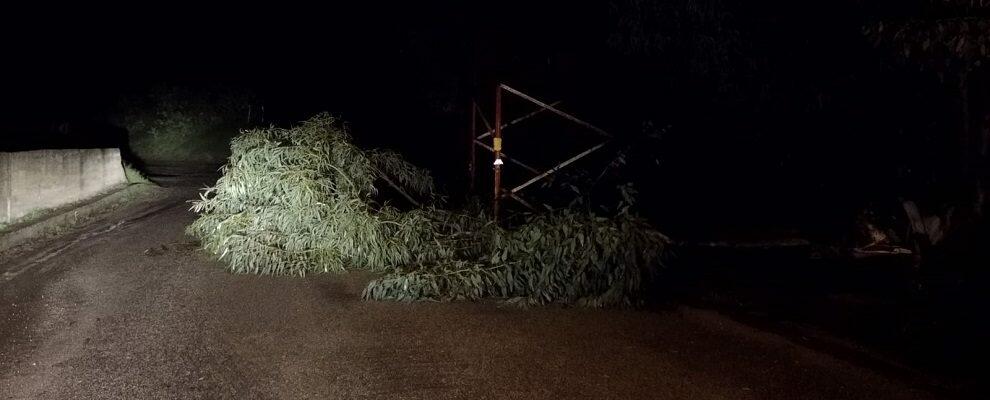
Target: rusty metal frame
x=500, y=157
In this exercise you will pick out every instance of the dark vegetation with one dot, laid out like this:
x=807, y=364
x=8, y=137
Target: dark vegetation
x=175, y=124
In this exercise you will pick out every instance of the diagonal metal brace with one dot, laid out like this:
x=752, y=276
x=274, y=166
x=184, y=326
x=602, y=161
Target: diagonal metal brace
x=521, y=201
x=513, y=122
x=506, y=157
x=557, y=167
x=556, y=111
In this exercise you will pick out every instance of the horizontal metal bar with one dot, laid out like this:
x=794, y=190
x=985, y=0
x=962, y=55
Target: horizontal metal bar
x=557, y=168
x=556, y=111
x=504, y=156
x=518, y=120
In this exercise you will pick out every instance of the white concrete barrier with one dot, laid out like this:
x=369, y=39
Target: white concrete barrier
x=31, y=180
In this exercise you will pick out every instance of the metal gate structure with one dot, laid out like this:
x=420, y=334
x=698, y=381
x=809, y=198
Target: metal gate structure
x=496, y=146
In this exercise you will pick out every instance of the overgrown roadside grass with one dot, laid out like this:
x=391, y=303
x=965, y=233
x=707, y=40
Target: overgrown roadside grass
x=133, y=175
x=33, y=215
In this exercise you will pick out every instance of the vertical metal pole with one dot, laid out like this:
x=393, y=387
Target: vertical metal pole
x=497, y=145
x=474, y=134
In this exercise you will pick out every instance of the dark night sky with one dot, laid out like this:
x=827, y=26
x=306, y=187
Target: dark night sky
x=70, y=60
x=378, y=65
x=82, y=62
x=747, y=155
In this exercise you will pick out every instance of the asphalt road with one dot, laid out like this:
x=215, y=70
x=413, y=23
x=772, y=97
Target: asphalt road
x=127, y=308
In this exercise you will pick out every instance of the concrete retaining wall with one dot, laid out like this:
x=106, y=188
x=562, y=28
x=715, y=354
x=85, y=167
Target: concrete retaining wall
x=31, y=180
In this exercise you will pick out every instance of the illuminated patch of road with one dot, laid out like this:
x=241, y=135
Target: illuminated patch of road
x=43, y=256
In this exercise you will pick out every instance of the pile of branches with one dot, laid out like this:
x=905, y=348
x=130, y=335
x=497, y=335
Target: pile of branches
x=564, y=256
x=305, y=199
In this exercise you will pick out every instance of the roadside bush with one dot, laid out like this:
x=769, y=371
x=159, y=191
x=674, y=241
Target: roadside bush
x=299, y=200
x=133, y=175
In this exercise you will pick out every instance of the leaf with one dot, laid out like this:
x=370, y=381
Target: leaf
x=302, y=200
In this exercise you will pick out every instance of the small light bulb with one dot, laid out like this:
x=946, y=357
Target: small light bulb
x=498, y=161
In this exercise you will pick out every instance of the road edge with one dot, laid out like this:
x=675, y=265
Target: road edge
x=821, y=342
x=63, y=219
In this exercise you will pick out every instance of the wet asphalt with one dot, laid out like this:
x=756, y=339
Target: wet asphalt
x=127, y=307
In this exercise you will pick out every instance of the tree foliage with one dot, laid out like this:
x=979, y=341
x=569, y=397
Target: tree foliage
x=177, y=124
x=291, y=201
x=300, y=200
x=564, y=256
x=957, y=42
x=699, y=36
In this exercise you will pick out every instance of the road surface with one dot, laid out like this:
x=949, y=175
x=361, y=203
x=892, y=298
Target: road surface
x=127, y=308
